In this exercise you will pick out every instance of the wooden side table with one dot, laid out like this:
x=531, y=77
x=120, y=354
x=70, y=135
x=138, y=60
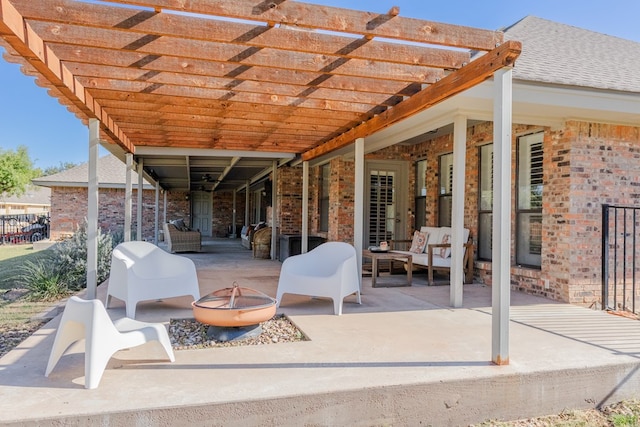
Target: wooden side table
x=375, y=256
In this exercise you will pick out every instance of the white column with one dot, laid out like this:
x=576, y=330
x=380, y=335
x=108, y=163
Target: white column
x=246, y=204
x=501, y=252
x=156, y=216
x=305, y=207
x=274, y=209
x=457, y=209
x=92, y=210
x=164, y=210
x=358, y=208
x=127, y=197
x=233, y=215
x=139, y=210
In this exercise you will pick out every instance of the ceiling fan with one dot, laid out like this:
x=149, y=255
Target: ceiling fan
x=208, y=178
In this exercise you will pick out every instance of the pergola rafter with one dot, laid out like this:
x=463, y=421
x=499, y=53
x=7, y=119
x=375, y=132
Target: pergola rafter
x=281, y=76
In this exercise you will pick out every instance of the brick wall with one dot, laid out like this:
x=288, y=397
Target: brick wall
x=289, y=199
x=69, y=210
x=222, y=213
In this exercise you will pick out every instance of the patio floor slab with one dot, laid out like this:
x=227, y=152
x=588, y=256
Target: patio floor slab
x=403, y=357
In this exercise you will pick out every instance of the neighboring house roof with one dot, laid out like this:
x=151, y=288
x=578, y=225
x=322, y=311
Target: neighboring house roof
x=34, y=196
x=562, y=54
x=111, y=174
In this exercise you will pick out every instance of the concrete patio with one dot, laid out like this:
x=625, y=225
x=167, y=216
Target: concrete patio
x=403, y=357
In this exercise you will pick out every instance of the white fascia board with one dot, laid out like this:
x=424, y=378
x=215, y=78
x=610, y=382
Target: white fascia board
x=533, y=104
x=205, y=152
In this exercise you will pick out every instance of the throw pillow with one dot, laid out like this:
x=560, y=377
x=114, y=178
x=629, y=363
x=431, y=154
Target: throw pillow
x=419, y=242
x=445, y=252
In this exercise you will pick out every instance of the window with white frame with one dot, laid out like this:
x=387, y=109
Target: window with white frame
x=529, y=200
x=485, y=202
x=445, y=187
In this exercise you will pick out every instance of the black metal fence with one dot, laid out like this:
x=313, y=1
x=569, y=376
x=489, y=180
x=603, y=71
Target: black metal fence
x=23, y=228
x=620, y=251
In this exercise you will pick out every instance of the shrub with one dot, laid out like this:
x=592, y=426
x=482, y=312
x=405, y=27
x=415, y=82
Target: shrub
x=71, y=257
x=43, y=282
x=66, y=271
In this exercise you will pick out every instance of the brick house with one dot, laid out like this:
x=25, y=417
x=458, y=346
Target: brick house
x=576, y=129
x=69, y=199
x=576, y=133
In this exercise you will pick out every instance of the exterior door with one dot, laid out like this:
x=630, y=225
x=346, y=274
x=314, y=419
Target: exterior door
x=201, y=208
x=386, y=187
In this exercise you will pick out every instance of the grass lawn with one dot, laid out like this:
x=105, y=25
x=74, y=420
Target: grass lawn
x=12, y=257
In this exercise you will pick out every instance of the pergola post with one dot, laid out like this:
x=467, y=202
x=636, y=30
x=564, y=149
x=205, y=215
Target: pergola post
x=358, y=208
x=139, y=210
x=127, y=197
x=233, y=215
x=501, y=239
x=246, y=204
x=305, y=207
x=92, y=210
x=156, y=216
x=274, y=209
x=457, y=209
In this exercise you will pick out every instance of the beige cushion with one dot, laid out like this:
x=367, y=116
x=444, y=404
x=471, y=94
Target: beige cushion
x=419, y=242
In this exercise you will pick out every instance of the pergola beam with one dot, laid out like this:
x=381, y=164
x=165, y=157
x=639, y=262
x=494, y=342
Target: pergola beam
x=474, y=73
x=304, y=15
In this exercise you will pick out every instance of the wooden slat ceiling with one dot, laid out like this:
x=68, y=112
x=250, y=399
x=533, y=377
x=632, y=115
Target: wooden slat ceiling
x=262, y=76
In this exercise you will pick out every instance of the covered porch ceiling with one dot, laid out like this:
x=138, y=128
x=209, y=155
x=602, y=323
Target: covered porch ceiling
x=209, y=95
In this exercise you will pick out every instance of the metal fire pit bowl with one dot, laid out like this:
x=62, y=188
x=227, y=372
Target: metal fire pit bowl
x=234, y=307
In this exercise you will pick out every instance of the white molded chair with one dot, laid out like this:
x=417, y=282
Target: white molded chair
x=330, y=270
x=141, y=271
x=88, y=319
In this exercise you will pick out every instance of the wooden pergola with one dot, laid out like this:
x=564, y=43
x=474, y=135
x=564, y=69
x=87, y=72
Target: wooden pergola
x=232, y=80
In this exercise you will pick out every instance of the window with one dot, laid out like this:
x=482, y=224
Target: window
x=421, y=194
x=485, y=203
x=529, y=200
x=323, y=199
x=446, y=190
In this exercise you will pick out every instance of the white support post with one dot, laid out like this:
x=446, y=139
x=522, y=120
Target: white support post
x=457, y=209
x=501, y=252
x=305, y=207
x=274, y=209
x=156, y=216
x=358, y=209
x=92, y=210
x=127, y=197
x=164, y=205
x=246, y=204
x=233, y=215
x=139, y=210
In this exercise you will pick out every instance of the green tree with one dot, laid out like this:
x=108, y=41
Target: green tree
x=16, y=171
x=63, y=166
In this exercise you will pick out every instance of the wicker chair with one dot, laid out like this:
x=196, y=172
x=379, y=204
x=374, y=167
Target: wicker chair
x=262, y=243
x=181, y=241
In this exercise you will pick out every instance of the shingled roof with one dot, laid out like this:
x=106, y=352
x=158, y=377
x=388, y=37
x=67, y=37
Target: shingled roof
x=562, y=54
x=111, y=174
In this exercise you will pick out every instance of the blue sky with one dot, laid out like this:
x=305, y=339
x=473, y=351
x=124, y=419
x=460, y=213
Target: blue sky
x=30, y=117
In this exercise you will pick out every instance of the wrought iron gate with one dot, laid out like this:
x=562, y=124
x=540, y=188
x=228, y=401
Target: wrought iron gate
x=620, y=251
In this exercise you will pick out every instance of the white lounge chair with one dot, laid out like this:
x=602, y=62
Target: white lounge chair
x=330, y=270
x=141, y=271
x=88, y=319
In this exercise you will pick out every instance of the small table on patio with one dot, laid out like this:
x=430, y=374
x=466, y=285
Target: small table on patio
x=390, y=255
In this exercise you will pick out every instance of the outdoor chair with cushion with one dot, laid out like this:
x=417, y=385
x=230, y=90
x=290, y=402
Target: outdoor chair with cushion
x=330, y=271
x=141, y=271
x=181, y=238
x=89, y=320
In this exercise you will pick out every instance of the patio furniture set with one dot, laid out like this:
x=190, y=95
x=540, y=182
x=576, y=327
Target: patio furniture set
x=141, y=271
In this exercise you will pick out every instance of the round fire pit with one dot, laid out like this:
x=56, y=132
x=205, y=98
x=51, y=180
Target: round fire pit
x=234, y=307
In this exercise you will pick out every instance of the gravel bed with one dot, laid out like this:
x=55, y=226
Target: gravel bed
x=190, y=334
x=11, y=336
